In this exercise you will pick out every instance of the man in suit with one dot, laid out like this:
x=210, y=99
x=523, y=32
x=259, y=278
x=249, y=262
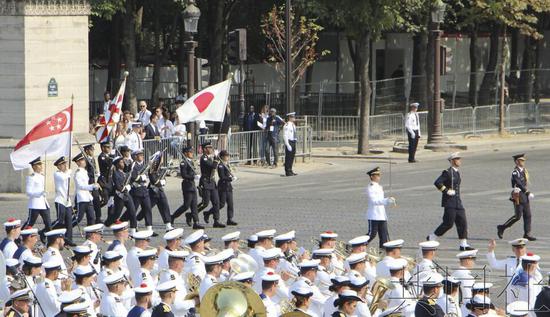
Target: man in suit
x=448, y=183
x=151, y=130
x=189, y=190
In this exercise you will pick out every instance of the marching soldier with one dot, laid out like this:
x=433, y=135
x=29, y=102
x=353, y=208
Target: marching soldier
x=174, y=272
x=289, y=137
x=13, y=231
x=194, y=263
x=20, y=303
x=111, y=302
x=376, y=208
x=520, y=197
x=156, y=189
x=123, y=199
x=189, y=190
x=126, y=154
x=427, y=306
x=83, y=189
x=105, y=162
x=141, y=243
x=225, y=188
x=38, y=204
x=47, y=292
x=63, y=205
x=450, y=302
x=93, y=175
x=167, y=292
x=55, y=243
x=29, y=238
x=208, y=163
x=144, y=294
x=454, y=214
x=139, y=191
x=94, y=234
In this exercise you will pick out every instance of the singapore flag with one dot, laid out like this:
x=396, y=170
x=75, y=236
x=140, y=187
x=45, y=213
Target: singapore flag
x=51, y=137
x=208, y=104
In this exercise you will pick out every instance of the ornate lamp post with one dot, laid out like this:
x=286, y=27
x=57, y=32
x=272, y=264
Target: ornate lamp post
x=191, y=15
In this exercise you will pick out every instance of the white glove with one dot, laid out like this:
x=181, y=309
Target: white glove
x=162, y=182
x=413, y=135
x=451, y=192
x=216, y=152
x=531, y=195
x=234, y=178
x=391, y=201
x=197, y=177
x=96, y=186
x=142, y=178
x=517, y=190
x=127, y=187
x=289, y=148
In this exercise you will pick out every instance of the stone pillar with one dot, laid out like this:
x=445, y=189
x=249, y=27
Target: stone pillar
x=40, y=40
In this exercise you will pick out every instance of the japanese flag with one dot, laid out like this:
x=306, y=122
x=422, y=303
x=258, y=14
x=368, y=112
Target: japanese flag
x=208, y=104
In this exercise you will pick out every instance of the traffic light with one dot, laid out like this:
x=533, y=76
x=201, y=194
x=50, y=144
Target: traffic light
x=236, y=46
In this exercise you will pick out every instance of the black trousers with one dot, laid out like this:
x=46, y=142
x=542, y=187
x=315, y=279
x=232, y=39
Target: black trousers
x=226, y=196
x=159, y=200
x=413, y=144
x=85, y=207
x=64, y=218
x=189, y=201
x=272, y=144
x=129, y=214
x=453, y=216
x=519, y=210
x=379, y=227
x=289, y=157
x=97, y=205
x=144, y=203
x=33, y=214
x=211, y=196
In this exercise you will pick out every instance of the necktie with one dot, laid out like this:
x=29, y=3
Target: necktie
x=417, y=120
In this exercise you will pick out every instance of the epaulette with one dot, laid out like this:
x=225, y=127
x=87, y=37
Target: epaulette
x=11, y=313
x=117, y=299
x=143, y=275
x=53, y=252
x=166, y=308
x=172, y=277
x=46, y=284
x=431, y=301
x=197, y=260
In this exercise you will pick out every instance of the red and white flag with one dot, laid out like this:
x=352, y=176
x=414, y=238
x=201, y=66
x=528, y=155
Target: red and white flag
x=50, y=137
x=111, y=116
x=208, y=104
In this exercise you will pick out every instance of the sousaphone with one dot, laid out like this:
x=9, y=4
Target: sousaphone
x=232, y=299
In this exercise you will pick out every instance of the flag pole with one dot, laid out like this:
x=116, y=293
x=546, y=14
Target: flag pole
x=229, y=76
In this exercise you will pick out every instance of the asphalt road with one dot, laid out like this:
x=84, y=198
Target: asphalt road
x=329, y=195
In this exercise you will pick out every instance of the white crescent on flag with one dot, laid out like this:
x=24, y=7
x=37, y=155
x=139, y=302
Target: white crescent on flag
x=208, y=104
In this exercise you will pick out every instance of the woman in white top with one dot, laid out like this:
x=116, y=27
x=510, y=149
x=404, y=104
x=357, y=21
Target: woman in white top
x=165, y=126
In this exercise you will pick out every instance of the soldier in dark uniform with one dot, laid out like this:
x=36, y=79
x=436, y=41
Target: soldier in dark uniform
x=427, y=305
x=520, y=197
x=208, y=163
x=167, y=293
x=156, y=190
x=105, y=162
x=139, y=191
x=454, y=214
x=20, y=304
x=122, y=196
x=127, y=157
x=189, y=190
x=225, y=188
x=93, y=173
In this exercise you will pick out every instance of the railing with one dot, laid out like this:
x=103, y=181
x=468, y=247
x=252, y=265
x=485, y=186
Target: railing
x=460, y=121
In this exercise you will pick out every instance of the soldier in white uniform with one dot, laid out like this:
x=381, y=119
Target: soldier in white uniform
x=143, y=301
x=511, y=263
x=356, y=263
x=400, y=300
x=213, y=266
x=265, y=242
x=120, y=231
x=328, y=241
x=35, y=189
x=360, y=285
x=463, y=273
x=525, y=283
x=111, y=265
x=63, y=204
x=194, y=263
x=231, y=241
x=147, y=259
x=289, y=138
x=339, y=284
x=67, y=298
x=46, y=292
x=426, y=266
x=55, y=243
x=173, y=241
x=308, y=272
x=376, y=208
x=84, y=276
x=94, y=234
x=111, y=302
x=174, y=272
x=450, y=301
x=29, y=238
x=269, y=283
x=359, y=245
x=31, y=269
x=393, y=251
x=227, y=255
x=13, y=231
x=517, y=309
x=271, y=258
x=324, y=276
x=83, y=191
x=141, y=243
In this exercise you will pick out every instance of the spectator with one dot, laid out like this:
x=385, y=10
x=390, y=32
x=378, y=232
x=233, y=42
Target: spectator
x=250, y=123
x=151, y=130
x=160, y=119
x=273, y=125
x=144, y=115
x=203, y=129
x=180, y=132
x=106, y=101
x=167, y=127
x=127, y=116
x=262, y=119
x=182, y=97
x=134, y=139
x=121, y=133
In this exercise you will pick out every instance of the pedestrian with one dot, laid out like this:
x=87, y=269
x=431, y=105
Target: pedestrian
x=376, y=208
x=289, y=137
x=63, y=204
x=38, y=204
x=189, y=190
x=412, y=124
x=448, y=183
x=273, y=125
x=225, y=187
x=144, y=115
x=208, y=163
x=520, y=197
x=250, y=123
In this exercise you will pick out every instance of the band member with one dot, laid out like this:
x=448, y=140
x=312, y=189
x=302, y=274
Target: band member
x=144, y=295
x=412, y=124
x=120, y=231
x=302, y=300
x=346, y=303
x=55, y=244
x=167, y=293
x=20, y=303
x=105, y=162
x=510, y=263
x=376, y=210
x=289, y=137
x=38, y=204
x=450, y=302
x=269, y=282
x=93, y=174
x=225, y=188
x=47, y=292
x=94, y=235
x=454, y=214
x=63, y=204
x=174, y=272
x=520, y=197
x=29, y=238
x=194, y=264
x=543, y=300
x=526, y=284
x=83, y=189
x=427, y=306
x=111, y=301
x=84, y=275
x=173, y=243
x=157, y=195
x=400, y=300
x=13, y=231
x=139, y=191
x=141, y=243
x=208, y=163
x=464, y=274
x=521, y=309
x=189, y=190
x=123, y=199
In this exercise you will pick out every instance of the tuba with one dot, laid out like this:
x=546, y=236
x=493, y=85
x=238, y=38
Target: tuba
x=232, y=299
x=380, y=287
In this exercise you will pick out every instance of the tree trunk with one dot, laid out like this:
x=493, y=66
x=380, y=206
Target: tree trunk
x=216, y=34
x=113, y=76
x=527, y=75
x=419, y=82
x=129, y=45
x=514, y=79
x=363, y=55
x=158, y=63
x=489, y=84
x=474, y=67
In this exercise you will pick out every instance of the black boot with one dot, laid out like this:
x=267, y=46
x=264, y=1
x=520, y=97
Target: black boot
x=188, y=218
x=230, y=222
x=500, y=231
x=529, y=237
x=207, y=216
x=197, y=226
x=217, y=224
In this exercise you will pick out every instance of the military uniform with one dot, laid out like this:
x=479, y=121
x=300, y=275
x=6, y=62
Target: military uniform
x=543, y=302
x=225, y=189
x=138, y=311
x=189, y=191
x=140, y=193
x=122, y=199
x=38, y=204
x=289, y=138
x=207, y=282
x=157, y=196
x=195, y=265
x=376, y=210
x=54, y=254
x=84, y=197
x=63, y=203
x=117, y=246
x=400, y=300
x=8, y=247
x=162, y=310
x=428, y=307
x=95, y=256
x=112, y=306
x=180, y=306
x=105, y=162
x=450, y=305
x=47, y=295
x=93, y=175
x=207, y=181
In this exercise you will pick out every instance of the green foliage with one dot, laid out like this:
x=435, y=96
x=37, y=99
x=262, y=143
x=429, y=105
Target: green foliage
x=106, y=8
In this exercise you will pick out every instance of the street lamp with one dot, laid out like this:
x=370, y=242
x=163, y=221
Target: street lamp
x=435, y=137
x=191, y=15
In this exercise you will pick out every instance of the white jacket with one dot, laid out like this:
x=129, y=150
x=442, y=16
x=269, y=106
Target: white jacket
x=82, y=188
x=61, y=180
x=35, y=191
x=376, y=209
x=412, y=123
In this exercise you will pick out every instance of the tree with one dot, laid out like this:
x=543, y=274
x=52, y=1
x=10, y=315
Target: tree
x=303, y=44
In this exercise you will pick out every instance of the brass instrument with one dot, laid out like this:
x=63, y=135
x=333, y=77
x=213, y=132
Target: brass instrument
x=232, y=299
x=193, y=285
x=287, y=306
x=380, y=287
x=373, y=255
x=411, y=262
